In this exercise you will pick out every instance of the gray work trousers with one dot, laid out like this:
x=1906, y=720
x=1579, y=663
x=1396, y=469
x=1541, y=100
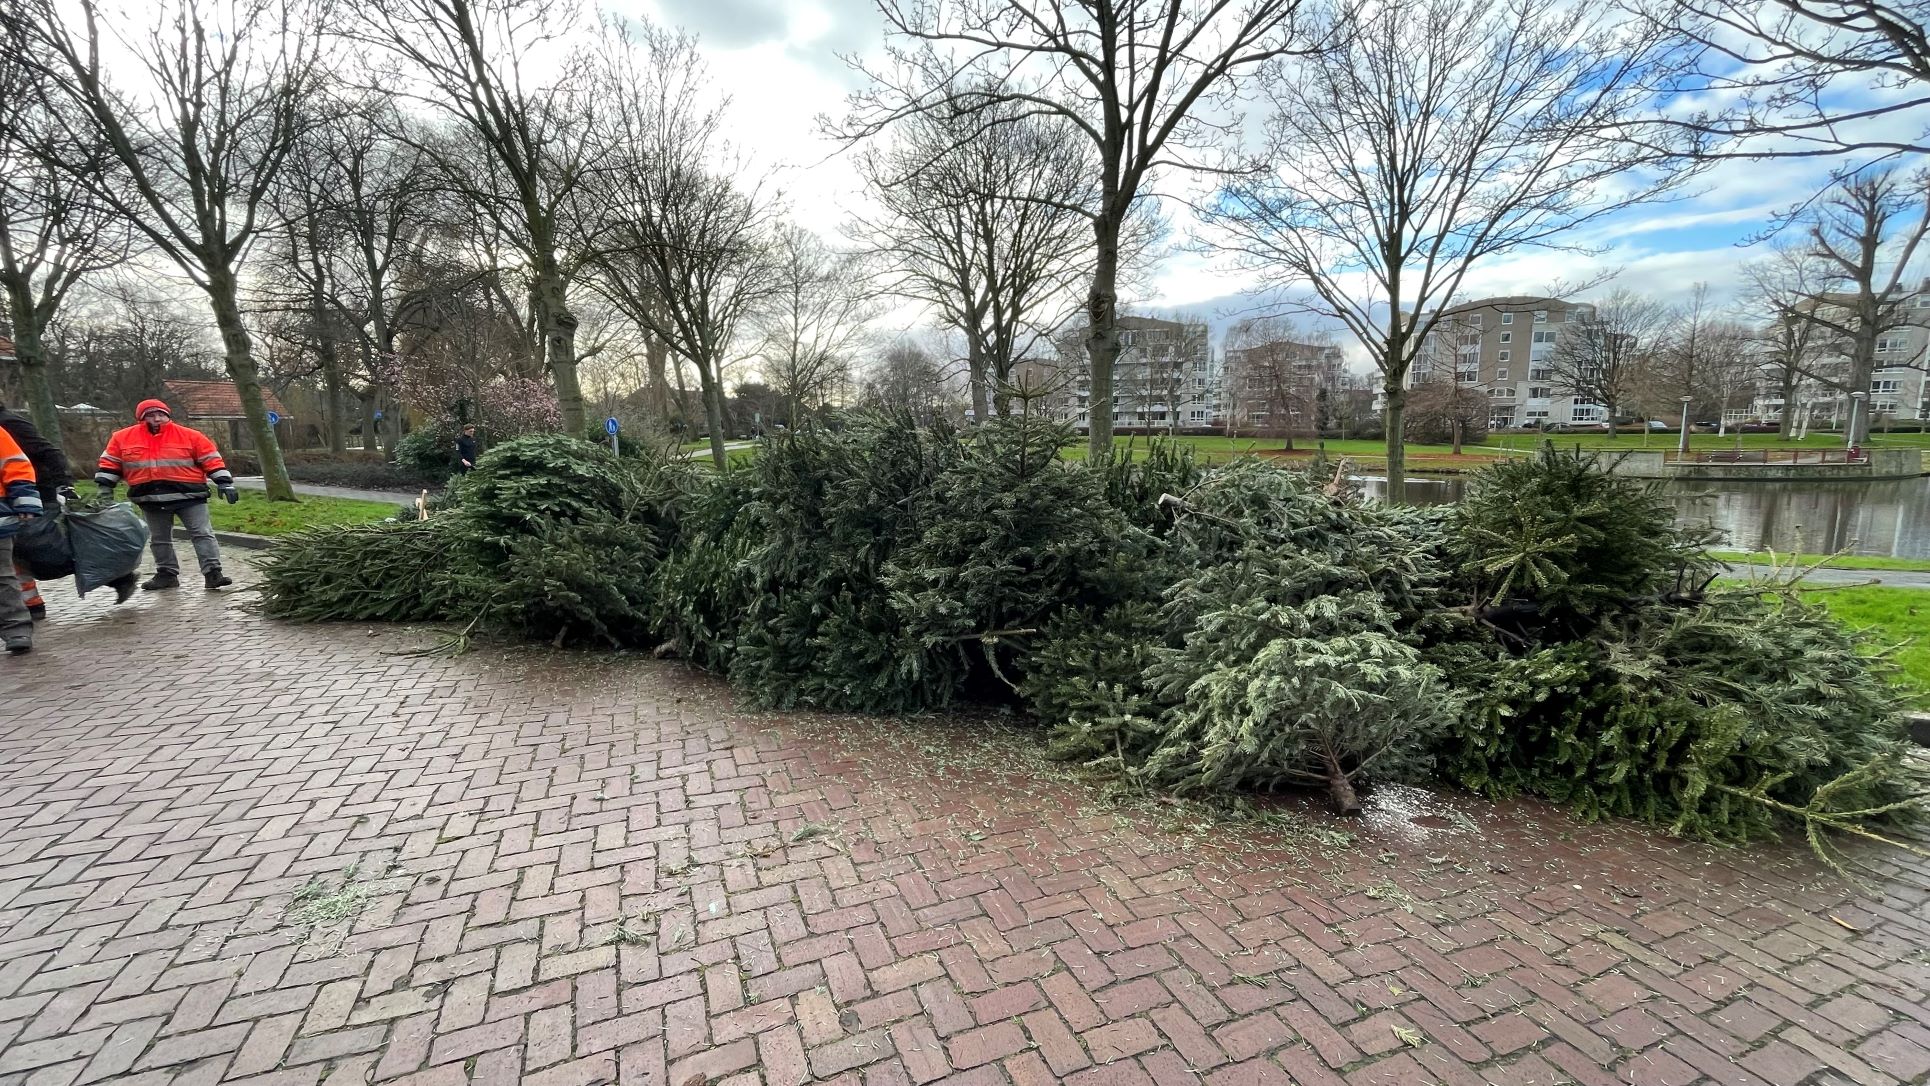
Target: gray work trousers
x=16, y=625
x=194, y=517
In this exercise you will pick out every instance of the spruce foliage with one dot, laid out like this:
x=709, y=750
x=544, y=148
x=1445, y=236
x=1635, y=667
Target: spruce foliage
x=1247, y=626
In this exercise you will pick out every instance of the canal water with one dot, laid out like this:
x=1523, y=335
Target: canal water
x=1887, y=519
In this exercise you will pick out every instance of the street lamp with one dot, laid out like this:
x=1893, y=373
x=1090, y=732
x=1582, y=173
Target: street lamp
x=1856, y=412
x=1682, y=449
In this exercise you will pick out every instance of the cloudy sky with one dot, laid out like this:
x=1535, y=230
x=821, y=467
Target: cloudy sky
x=779, y=61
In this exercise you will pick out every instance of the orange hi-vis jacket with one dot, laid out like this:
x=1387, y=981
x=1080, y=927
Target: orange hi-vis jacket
x=18, y=493
x=172, y=465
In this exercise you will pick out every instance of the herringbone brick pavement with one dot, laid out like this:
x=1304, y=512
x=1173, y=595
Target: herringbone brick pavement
x=236, y=851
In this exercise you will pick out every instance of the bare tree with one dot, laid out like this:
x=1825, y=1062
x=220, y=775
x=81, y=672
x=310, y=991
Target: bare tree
x=53, y=231
x=528, y=135
x=1440, y=135
x=673, y=241
x=1607, y=356
x=1783, y=289
x=1785, y=67
x=813, y=321
x=907, y=378
x=359, y=208
x=1865, y=231
x=1143, y=80
x=1278, y=378
x=979, y=222
x=197, y=138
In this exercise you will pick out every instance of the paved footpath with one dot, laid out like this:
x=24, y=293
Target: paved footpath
x=236, y=851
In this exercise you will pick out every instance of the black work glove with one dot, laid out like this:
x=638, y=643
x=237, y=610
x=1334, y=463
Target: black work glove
x=68, y=494
x=230, y=493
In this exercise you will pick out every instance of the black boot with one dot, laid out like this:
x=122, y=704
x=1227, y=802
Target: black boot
x=216, y=579
x=163, y=578
x=123, y=587
x=37, y=611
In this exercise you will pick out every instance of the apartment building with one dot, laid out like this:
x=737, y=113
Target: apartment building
x=1282, y=386
x=1899, y=386
x=1502, y=348
x=1166, y=378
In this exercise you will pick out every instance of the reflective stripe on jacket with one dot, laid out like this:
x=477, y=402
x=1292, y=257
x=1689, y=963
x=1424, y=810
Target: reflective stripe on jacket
x=18, y=494
x=174, y=464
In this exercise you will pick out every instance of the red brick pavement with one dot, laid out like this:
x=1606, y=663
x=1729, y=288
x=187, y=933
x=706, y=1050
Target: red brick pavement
x=236, y=851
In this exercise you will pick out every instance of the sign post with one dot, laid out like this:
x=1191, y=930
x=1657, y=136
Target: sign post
x=610, y=427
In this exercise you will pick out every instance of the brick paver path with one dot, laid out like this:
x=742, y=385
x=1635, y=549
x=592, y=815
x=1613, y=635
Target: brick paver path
x=236, y=851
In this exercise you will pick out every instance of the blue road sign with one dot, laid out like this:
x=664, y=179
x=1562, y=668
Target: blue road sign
x=610, y=427
x=274, y=418
x=378, y=416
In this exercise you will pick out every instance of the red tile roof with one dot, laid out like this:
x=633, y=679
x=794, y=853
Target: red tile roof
x=6, y=347
x=213, y=400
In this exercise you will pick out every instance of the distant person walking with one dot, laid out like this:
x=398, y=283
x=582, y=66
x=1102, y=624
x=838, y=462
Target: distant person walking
x=168, y=468
x=19, y=499
x=467, y=450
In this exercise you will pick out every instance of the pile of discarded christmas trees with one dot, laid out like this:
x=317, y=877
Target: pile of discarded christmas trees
x=1249, y=626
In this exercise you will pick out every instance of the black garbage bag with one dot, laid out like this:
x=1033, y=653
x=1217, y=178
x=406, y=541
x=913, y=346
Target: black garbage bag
x=42, y=547
x=107, y=539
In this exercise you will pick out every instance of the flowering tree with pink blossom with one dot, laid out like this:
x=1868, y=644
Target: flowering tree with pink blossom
x=445, y=395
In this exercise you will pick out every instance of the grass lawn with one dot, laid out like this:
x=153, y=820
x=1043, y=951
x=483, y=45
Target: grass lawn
x=256, y=515
x=1830, y=561
x=1893, y=615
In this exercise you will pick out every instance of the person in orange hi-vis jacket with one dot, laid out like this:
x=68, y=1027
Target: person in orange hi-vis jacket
x=167, y=468
x=19, y=499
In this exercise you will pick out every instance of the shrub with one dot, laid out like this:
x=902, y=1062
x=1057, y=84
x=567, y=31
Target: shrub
x=428, y=450
x=360, y=472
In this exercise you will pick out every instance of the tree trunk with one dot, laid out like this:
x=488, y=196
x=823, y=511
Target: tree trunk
x=1456, y=427
x=238, y=353
x=1786, y=426
x=1395, y=420
x=368, y=419
x=334, y=410
x=32, y=355
x=975, y=370
x=1102, y=335
x=713, y=392
x=657, y=392
x=559, y=344
x=1346, y=801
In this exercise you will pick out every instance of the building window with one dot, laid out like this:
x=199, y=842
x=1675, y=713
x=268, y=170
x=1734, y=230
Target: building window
x=1545, y=337
x=1885, y=407
x=1502, y=373
x=1539, y=392
x=1474, y=320
x=1890, y=345
x=1468, y=377
x=1507, y=337
x=1540, y=374
x=1891, y=387
x=1501, y=393
x=1535, y=413
x=1501, y=417
x=1504, y=356
x=1583, y=412
x=1923, y=301
x=1541, y=316
x=1507, y=318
